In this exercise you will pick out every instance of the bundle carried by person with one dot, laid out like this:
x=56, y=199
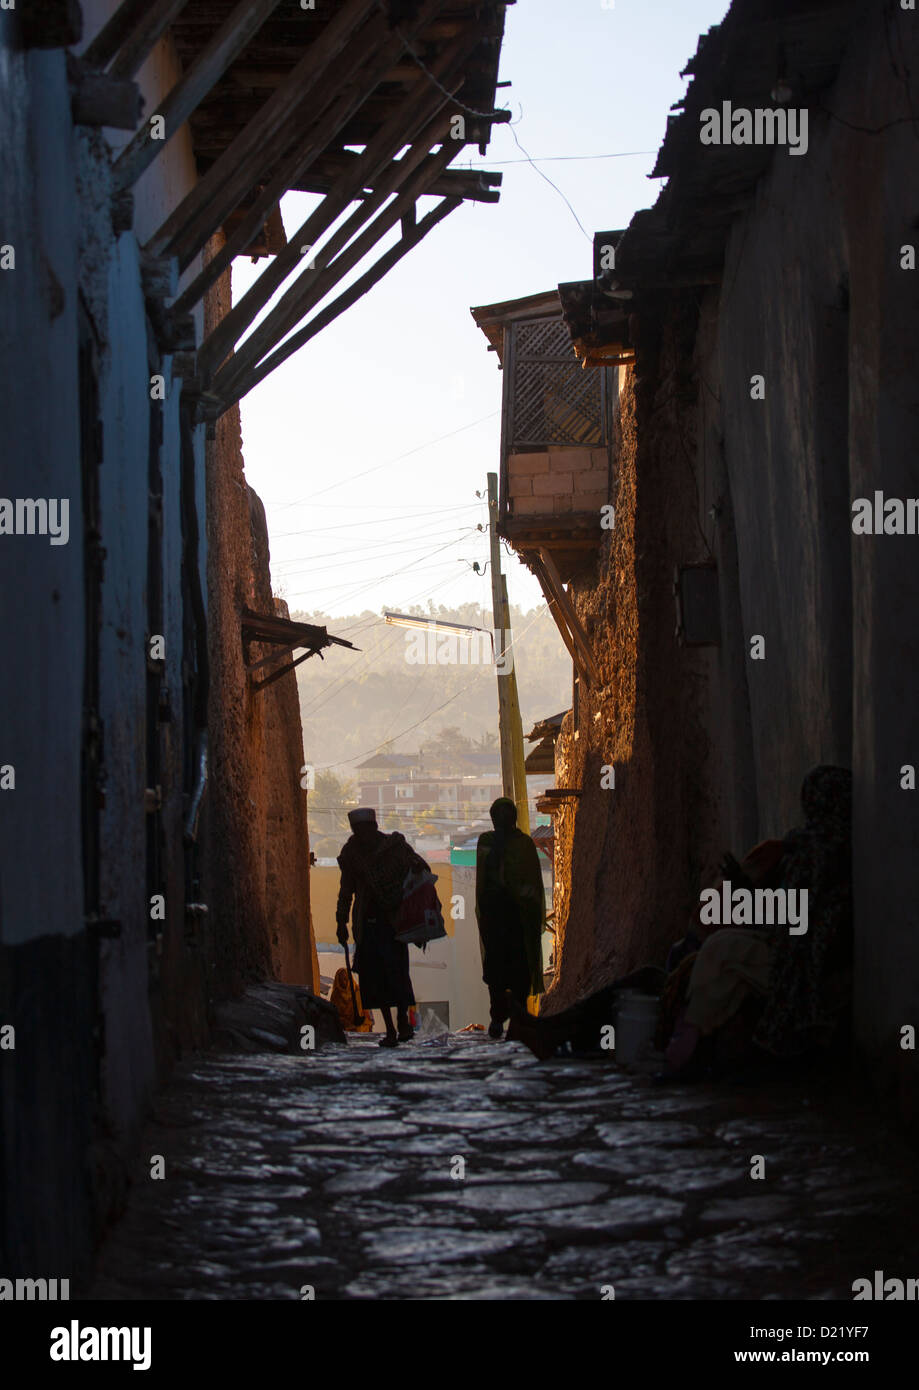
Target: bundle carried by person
x=404, y=884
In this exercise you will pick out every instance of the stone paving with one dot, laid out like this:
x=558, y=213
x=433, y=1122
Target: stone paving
x=339, y=1170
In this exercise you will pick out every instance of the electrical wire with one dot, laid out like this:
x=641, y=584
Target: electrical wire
x=551, y=184
x=554, y=159
x=540, y=612
x=387, y=463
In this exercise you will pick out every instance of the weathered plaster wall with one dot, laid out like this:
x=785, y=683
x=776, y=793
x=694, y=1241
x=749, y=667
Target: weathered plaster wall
x=45, y=1118
x=258, y=843
x=813, y=299
x=629, y=857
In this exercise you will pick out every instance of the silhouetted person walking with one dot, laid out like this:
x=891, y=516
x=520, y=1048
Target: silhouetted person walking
x=510, y=908
x=373, y=870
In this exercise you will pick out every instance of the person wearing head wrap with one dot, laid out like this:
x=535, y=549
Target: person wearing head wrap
x=510, y=908
x=803, y=982
x=373, y=870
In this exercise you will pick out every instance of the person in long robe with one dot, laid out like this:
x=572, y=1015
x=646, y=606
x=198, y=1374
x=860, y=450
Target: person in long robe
x=510, y=907
x=373, y=869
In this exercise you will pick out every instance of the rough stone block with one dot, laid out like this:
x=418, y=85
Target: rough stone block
x=268, y=1018
x=591, y=501
x=532, y=506
x=527, y=464
x=553, y=485
x=568, y=460
x=521, y=487
x=589, y=482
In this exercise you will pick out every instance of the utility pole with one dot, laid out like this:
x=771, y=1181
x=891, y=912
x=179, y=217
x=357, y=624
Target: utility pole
x=510, y=680
x=513, y=774
x=497, y=610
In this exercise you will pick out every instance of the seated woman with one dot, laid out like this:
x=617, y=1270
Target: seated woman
x=773, y=993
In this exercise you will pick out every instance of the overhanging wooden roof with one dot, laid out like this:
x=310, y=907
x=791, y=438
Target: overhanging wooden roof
x=493, y=318
x=354, y=100
x=549, y=727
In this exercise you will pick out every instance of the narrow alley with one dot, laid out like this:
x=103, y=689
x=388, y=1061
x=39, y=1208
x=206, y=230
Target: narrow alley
x=458, y=1168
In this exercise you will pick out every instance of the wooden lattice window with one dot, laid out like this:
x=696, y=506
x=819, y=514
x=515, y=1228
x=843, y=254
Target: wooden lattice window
x=549, y=398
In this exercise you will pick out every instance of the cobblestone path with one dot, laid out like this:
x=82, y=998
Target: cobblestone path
x=334, y=1170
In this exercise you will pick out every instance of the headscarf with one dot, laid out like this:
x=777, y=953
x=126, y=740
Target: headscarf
x=801, y=1010
x=503, y=814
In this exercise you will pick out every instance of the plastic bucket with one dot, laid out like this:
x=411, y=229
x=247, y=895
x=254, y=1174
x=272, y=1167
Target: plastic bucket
x=636, y=1023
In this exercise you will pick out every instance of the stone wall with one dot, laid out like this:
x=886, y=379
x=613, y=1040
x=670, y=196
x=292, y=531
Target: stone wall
x=256, y=830
x=557, y=481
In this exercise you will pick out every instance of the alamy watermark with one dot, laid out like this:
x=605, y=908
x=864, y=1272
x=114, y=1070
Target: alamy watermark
x=76, y=1343
x=36, y=516
x=432, y=646
x=762, y=126
x=34, y=1290
x=885, y=516
x=749, y=907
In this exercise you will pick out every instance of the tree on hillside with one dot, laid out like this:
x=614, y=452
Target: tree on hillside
x=327, y=812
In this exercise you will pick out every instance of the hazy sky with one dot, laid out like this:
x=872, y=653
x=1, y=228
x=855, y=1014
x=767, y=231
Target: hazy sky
x=403, y=384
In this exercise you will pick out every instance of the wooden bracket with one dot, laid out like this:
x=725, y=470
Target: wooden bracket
x=567, y=620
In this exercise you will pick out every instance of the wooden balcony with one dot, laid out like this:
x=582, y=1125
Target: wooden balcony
x=556, y=471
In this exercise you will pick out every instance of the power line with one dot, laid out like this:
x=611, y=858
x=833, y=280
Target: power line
x=372, y=583
x=552, y=185
x=555, y=159
x=326, y=766
x=388, y=462
x=398, y=546
x=368, y=521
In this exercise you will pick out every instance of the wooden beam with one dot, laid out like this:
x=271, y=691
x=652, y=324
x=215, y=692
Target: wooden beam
x=113, y=33
x=191, y=89
x=231, y=176
x=558, y=615
x=571, y=618
x=410, y=116
x=311, y=287
x=276, y=675
x=127, y=40
x=345, y=300
x=371, y=50
x=231, y=328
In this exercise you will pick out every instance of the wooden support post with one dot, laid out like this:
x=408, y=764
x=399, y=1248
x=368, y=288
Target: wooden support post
x=558, y=616
x=310, y=288
x=497, y=610
x=232, y=175
x=513, y=705
x=125, y=42
x=368, y=168
x=194, y=85
x=344, y=301
x=113, y=33
x=276, y=675
x=574, y=623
